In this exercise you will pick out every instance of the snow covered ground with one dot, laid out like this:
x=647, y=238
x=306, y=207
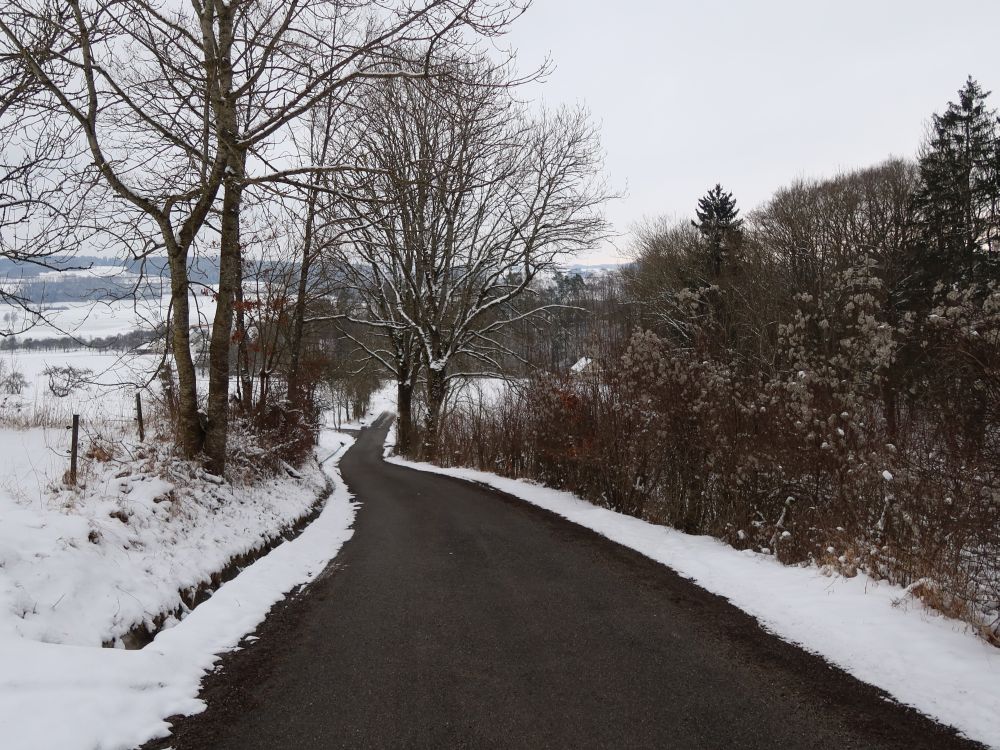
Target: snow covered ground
x=81, y=567
x=78, y=567
x=85, y=565
x=383, y=400
x=870, y=629
x=480, y=391
x=62, y=592
x=106, y=400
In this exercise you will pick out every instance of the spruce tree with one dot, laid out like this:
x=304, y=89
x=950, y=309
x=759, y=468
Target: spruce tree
x=720, y=226
x=957, y=203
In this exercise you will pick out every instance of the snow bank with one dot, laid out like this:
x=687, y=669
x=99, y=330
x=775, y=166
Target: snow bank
x=84, y=566
x=62, y=695
x=870, y=629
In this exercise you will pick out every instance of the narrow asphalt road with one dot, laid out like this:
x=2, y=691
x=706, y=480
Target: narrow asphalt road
x=458, y=617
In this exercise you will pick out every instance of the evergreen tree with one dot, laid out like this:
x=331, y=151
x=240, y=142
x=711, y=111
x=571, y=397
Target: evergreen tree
x=720, y=226
x=957, y=203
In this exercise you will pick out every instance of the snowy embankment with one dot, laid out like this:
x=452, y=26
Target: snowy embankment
x=80, y=567
x=87, y=565
x=870, y=629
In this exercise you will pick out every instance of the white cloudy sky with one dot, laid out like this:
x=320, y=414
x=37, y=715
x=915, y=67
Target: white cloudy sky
x=753, y=93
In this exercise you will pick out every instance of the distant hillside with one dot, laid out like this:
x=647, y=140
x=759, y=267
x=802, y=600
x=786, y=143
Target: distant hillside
x=71, y=279
x=81, y=278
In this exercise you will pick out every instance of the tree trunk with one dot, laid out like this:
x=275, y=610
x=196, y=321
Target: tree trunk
x=299, y=313
x=242, y=351
x=436, y=391
x=190, y=433
x=404, y=406
x=890, y=405
x=230, y=267
x=230, y=256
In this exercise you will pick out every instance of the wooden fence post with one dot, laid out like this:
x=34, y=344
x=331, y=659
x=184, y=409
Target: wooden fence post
x=138, y=416
x=73, y=450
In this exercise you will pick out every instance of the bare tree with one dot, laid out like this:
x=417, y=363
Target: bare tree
x=42, y=217
x=319, y=227
x=468, y=200
x=140, y=110
x=277, y=62
x=184, y=108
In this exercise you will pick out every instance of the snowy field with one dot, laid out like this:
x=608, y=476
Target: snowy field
x=871, y=629
x=87, y=320
x=477, y=392
x=105, y=399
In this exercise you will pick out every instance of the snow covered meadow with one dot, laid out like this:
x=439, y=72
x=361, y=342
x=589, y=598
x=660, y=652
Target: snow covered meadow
x=91, y=319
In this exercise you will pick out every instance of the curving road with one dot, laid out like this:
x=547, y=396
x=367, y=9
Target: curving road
x=458, y=617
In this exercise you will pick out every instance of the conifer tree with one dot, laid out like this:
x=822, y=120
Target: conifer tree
x=720, y=226
x=957, y=203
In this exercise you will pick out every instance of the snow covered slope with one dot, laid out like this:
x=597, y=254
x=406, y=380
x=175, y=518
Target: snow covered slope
x=64, y=695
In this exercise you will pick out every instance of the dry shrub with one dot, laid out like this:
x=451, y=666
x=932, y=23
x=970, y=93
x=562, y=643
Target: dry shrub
x=100, y=450
x=810, y=462
x=276, y=434
x=66, y=379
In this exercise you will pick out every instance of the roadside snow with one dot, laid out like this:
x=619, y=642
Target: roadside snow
x=464, y=392
x=55, y=695
x=83, y=566
x=870, y=629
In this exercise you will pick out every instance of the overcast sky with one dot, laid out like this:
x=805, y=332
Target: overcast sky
x=753, y=94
